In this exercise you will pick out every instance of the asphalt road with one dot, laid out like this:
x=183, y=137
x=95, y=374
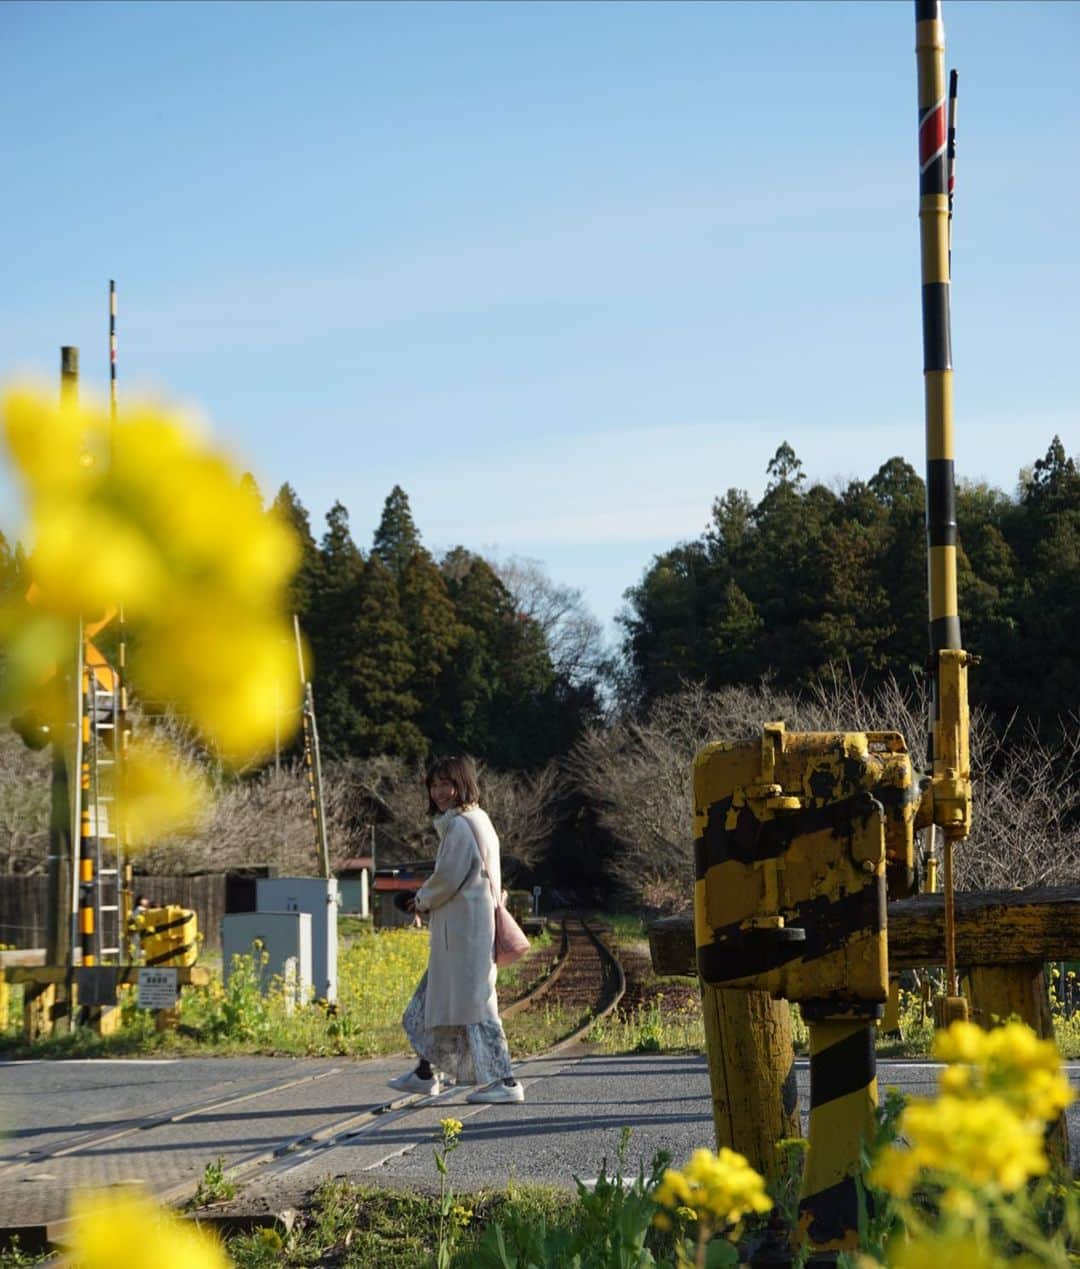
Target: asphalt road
x=290, y=1123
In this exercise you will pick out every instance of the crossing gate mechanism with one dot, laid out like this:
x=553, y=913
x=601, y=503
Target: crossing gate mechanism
x=797, y=836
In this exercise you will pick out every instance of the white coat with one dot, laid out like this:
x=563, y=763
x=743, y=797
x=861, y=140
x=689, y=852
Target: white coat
x=458, y=894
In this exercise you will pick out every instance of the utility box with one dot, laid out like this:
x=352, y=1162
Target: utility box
x=354, y=886
x=318, y=897
x=286, y=944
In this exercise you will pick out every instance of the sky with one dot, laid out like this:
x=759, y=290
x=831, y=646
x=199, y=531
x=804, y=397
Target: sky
x=565, y=272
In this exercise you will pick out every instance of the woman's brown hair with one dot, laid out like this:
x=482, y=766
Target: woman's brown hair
x=460, y=770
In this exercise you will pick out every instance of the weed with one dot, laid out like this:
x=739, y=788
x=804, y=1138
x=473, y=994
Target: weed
x=450, y=1132
x=215, y=1186
x=652, y=1027
x=13, y=1256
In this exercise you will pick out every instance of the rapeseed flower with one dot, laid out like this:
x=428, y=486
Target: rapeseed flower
x=719, y=1188
x=932, y=1251
x=451, y=1129
x=1009, y=1062
x=982, y=1142
x=114, y=1228
x=149, y=517
x=163, y=793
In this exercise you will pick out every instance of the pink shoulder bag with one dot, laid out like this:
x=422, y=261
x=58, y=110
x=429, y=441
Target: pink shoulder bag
x=511, y=941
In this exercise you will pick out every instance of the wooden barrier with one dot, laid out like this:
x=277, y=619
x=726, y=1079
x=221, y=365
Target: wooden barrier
x=1003, y=940
x=50, y=993
x=754, y=1095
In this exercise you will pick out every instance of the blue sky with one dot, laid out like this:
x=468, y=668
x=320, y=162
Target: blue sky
x=565, y=272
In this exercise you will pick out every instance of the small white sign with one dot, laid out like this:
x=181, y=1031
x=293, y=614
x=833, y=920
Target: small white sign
x=158, y=989
x=536, y=892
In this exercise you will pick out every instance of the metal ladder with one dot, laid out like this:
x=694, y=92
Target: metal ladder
x=103, y=739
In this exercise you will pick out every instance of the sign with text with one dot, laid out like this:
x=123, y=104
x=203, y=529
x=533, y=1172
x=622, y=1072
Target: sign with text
x=158, y=989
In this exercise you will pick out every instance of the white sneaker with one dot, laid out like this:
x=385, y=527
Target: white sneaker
x=498, y=1092
x=412, y=1083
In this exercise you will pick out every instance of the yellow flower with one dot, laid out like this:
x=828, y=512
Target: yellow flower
x=722, y=1187
x=164, y=795
x=981, y=1143
x=451, y=1129
x=1009, y=1062
x=167, y=529
x=112, y=1229
x=932, y=1251
x=962, y=1042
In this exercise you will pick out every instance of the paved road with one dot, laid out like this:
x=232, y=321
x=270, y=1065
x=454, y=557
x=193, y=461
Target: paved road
x=67, y=1124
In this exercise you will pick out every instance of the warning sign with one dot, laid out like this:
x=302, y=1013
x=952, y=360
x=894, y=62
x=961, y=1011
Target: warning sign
x=158, y=989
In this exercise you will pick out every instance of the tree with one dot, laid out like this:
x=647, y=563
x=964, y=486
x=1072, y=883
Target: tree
x=381, y=670
x=334, y=610
x=499, y=696
x=396, y=539
x=434, y=633
x=575, y=639
x=302, y=588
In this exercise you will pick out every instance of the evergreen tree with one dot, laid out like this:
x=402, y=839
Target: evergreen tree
x=381, y=672
x=396, y=539
x=500, y=700
x=434, y=633
x=305, y=580
x=334, y=610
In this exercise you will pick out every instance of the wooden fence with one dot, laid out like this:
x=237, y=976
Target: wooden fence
x=24, y=905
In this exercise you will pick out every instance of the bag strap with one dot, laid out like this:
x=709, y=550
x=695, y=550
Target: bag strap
x=483, y=861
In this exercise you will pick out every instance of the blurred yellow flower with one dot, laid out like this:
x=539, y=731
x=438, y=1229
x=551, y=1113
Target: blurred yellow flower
x=164, y=795
x=115, y=1229
x=150, y=517
x=721, y=1187
x=981, y=1142
x=1009, y=1062
x=935, y=1251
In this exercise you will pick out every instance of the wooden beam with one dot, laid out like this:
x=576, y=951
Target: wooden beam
x=993, y=927
x=22, y=956
x=186, y=975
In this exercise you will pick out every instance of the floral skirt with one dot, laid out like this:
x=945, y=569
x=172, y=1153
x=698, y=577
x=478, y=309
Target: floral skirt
x=475, y=1053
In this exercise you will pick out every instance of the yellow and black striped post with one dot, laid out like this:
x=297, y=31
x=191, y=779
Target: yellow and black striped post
x=312, y=759
x=951, y=781
x=87, y=841
x=937, y=349
x=843, y=1095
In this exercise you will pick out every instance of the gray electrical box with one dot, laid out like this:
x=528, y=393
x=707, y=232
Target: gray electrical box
x=286, y=940
x=317, y=896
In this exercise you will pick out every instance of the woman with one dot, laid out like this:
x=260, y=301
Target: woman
x=453, y=1019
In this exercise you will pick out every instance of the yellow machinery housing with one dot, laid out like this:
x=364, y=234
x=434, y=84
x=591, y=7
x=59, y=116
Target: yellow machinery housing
x=168, y=935
x=795, y=835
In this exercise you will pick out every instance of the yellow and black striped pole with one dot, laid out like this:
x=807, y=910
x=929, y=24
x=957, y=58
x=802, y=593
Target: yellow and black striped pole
x=112, y=362
x=951, y=783
x=312, y=760
x=122, y=733
x=843, y=1095
x=937, y=349
x=87, y=843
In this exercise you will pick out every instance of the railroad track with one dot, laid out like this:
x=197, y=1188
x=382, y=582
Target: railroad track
x=586, y=978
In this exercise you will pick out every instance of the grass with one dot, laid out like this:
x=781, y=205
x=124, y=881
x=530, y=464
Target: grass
x=356, y=1227
x=377, y=973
